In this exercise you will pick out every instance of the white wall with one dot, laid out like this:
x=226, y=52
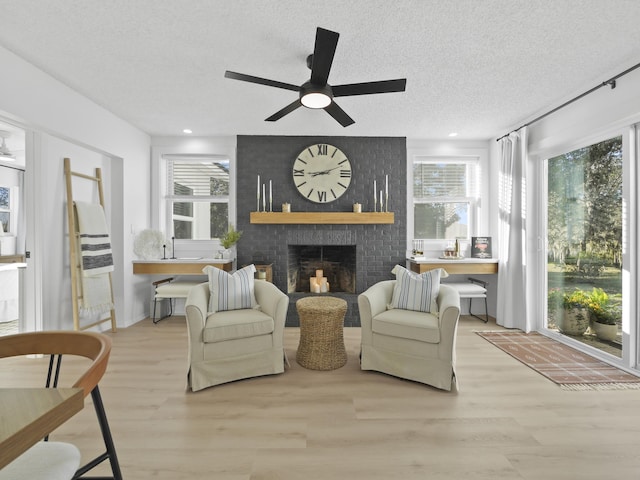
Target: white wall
x=51, y=112
x=54, y=225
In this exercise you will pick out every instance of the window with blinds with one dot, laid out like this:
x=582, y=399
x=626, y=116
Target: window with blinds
x=445, y=197
x=198, y=197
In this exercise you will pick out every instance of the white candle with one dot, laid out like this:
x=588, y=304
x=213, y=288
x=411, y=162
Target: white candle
x=270, y=193
x=264, y=199
x=319, y=273
x=380, y=200
x=375, y=191
x=258, y=192
x=386, y=185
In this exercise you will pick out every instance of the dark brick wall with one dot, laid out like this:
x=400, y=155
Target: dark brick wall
x=378, y=247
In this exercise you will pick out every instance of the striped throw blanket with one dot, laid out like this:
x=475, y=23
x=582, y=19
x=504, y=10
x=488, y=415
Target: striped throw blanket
x=95, y=244
x=96, y=259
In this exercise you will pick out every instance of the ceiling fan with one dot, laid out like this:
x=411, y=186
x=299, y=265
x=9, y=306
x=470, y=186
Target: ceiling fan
x=317, y=93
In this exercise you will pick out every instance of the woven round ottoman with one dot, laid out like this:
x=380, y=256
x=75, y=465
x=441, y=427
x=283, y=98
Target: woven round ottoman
x=321, y=341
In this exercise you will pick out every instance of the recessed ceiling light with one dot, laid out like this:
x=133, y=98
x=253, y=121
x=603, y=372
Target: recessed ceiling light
x=453, y=134
x=187, y=130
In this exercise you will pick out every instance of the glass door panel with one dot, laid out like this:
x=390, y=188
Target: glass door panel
x=584, y=245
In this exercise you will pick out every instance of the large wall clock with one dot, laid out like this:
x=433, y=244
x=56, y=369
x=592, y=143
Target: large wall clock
x=322, y=173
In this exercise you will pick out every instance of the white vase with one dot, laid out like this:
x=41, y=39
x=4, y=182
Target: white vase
x=605, y=332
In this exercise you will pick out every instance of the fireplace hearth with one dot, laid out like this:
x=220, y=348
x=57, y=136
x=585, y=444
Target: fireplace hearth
x=338, y=263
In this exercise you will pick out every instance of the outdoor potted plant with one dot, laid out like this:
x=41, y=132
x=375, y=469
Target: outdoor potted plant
x=228, y=240
x=603, y=315
x=569, y=310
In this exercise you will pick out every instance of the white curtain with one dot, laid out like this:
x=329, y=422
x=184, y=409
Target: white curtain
x=512, y=302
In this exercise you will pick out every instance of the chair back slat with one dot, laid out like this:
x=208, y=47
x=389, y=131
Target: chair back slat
x=94, y=346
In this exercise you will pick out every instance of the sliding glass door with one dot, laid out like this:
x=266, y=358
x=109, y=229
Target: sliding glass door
x=584, y=245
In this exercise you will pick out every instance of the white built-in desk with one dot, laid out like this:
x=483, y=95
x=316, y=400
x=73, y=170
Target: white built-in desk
x=476, y=266
x=179, y=266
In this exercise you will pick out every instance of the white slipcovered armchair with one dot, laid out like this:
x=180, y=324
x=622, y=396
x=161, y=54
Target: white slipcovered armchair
x=235, y=344
x=409, y=344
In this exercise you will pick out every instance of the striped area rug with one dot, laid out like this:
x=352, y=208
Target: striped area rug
x=566, y=366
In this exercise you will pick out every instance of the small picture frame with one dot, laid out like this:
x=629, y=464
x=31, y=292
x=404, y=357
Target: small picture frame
x=481, y=247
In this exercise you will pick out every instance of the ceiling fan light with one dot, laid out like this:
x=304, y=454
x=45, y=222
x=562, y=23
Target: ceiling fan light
x=315, y=100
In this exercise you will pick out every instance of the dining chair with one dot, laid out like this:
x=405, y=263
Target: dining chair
x=42, y=460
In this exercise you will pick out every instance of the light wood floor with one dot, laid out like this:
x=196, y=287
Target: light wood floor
x=506, y=422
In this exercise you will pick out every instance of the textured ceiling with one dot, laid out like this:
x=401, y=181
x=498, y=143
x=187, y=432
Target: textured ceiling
x=474, y=67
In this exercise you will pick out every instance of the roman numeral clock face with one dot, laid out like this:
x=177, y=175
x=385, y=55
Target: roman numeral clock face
x=322, y=173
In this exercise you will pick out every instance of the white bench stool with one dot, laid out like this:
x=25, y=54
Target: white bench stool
x=473, y=289
x=167, y=288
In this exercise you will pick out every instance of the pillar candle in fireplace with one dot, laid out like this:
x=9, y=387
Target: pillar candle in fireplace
x=319, y=273
x=314, y=285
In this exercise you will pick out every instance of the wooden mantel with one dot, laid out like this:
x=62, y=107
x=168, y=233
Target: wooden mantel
x=335, y=218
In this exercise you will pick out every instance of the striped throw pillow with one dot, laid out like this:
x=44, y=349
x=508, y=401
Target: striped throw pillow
x=230, y=291
x=414, y=291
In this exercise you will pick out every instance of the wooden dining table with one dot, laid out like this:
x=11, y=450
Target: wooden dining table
x=27, y=415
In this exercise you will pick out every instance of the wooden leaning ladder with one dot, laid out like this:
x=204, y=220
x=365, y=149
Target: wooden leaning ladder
x=74, y=257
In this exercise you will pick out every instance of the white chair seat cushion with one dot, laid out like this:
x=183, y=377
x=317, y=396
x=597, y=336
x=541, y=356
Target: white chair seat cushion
x=408, y=324
x=235, y=324
x=469, y=290
x=44, y=461
x=175, y=289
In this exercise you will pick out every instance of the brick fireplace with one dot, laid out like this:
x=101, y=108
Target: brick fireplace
x=373, y=250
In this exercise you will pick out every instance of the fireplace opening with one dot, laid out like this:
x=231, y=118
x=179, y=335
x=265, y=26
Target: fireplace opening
x=337, y=262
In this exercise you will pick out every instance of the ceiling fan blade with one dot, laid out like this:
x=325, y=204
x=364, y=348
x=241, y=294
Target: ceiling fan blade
x=323, y=52
x=261, y=81
x=340, y=115
x=369, y=88
x=285, y=111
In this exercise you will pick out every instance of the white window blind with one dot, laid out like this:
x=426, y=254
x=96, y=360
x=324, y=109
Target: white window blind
x=442, y=180
x=204, y=177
